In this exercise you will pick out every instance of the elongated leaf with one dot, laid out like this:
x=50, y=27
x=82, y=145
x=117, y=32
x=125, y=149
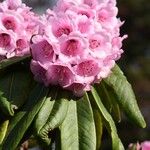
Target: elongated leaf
x=37, y=98
x=3, y=130
x=99, y=127
x=126, y=98
x=108, y=98
x=78, y=128
x=116, y=143
x=51, y=115
x=7, y=62
x=98, y=122
x=14, y=90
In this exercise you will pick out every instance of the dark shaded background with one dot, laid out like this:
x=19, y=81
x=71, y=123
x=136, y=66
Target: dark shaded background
x=135, y=61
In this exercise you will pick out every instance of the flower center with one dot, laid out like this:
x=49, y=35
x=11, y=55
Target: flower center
x=71, y=48
x=21, y=44
x=48, y=49
x=84, y=13
x=94, y=44
x=87, y=68
x=9, y=24
x=103, y=16
x=62, y=31
x=4, y=40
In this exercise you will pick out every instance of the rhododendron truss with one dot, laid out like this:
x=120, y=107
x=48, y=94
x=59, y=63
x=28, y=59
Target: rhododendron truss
x=17, y=25
x=59, y=81
x=77, y=44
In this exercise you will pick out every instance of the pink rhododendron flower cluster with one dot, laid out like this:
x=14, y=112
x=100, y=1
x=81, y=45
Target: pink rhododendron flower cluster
x=17, y=25
x=77, y=44
x=143, y=146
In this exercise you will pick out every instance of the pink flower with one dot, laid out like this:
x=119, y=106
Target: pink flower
x=116, y=47
x=10, y=20
x=137, y=146
x=7, y=42
x=84, y=24
x=106, y=15
x=87, y=68
x=43, y=51
x=106, y=66
x=9, y=23
x=77, y=44
x=60, y=74
x=3, y=6
x=72, y=48
x=39, y=72
x=99, y=44
x=13, y=4
x=63, y=5
x=61, y=25
x=77, y=88
x=145, y=145
x=17, y=25
x=91, y=3
x=83, y=10
x=22, y=46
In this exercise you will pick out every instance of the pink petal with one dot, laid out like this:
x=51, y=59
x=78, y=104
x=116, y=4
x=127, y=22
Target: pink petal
x=43, y=52
x=13, y=4
x=77, y=88
x=39, y=72
x=5, y=40
x=145, y=145
x=59, y=74
x=61, y=25
x=73, y=45
x=87, y=68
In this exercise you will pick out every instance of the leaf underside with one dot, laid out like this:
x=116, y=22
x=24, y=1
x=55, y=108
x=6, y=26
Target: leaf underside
x=125, y=96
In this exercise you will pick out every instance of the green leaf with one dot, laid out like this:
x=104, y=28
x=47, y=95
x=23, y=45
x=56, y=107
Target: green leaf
x=116, y=143
x=51, y=114
x=7, y=62
x=3, y=130
x=126, y=98
x=36, y=100
x=98, y=126
x=108, y=98
x=6, y=107
x=78, y=128
x=15, y=86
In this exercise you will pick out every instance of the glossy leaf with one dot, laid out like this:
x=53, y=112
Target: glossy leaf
x=108, y=98
x=78, y=128
x=99, y=127
x=116, y=143
x=126, y=98
x=36, y=100
x=7, y=62
x=3, y=130
x=52, y=114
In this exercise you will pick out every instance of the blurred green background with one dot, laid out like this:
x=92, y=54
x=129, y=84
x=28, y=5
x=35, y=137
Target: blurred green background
x=135, y=61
